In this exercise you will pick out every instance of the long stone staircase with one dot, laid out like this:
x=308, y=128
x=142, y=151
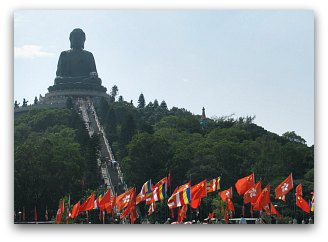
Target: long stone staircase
x=110, y=169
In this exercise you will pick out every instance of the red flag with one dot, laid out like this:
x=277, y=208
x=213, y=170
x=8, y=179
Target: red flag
x=110, y=206
x=302, y=204
x=299, y=191
x=226, y=194
x=75, y=210
x=263, y=199
x=252, y=194
x=123, y=200
x=131, y=205
x=35, y=215
x=198, y=191
x=104, y=200
x=60, y=211
x=230, y=205
x=88, y=204
x=182, y=214
x=243, y=184
x=274, y=210
x=284, y=187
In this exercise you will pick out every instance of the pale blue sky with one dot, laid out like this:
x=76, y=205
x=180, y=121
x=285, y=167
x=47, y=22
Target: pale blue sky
x=243, y=62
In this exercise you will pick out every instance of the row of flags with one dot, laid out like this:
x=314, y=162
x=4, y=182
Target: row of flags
x=188, y=195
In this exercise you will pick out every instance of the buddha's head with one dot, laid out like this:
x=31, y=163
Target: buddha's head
x=77, y=39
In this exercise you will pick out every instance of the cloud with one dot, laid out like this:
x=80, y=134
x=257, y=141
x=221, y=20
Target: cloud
x=30, y=52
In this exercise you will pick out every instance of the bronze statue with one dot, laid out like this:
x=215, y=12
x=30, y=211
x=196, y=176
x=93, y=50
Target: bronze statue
x=77, y=65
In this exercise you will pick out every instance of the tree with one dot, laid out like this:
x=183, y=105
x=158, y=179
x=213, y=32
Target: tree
x=293, y=137
x=35, y=100
x=114, y=92
x=141, y=101
x=120, y=99
x=156, y=103
x=163, y=105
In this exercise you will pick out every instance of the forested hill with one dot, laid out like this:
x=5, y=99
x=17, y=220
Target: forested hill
x=54, y=155
x=149, y=140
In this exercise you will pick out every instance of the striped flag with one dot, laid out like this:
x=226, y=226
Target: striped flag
x=213, y=185
x=180, y=198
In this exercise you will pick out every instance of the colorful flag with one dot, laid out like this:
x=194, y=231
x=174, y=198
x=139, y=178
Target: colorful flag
x=284, y=187
x=97, y=201
x=252, y=194
x=159, y=190
x=244, y=184
x=213, y=185
x=198, y=191
x=75, y=210
x=152, y=208
x=312, y=202
x=145, y=193
x=226, y=194
x=88, y=204
x=180, y=198
x=263, y=199
x=60, y=211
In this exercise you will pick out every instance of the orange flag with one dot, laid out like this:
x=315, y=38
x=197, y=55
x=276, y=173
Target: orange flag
x=123, y=200
x=263, y=199
x=252, y=194
x=60, y=211
x=244, y=184
x=104, y=200
x=198, y=191
x=110, y=206
x=284, y=187
x=226, y=194
x=131, y=205
x=75, y=210
x=88, y=204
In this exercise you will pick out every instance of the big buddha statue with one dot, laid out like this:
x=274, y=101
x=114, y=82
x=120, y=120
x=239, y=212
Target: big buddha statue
x=76, y=67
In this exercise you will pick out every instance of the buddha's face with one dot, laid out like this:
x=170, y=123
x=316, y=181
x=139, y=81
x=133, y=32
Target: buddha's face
x=77, y=40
